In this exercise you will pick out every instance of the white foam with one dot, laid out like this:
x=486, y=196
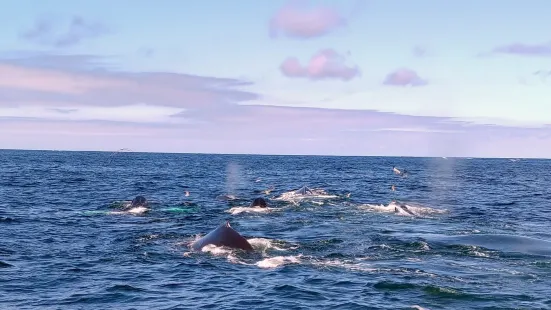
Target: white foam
x=274, y=262
x=216, y=250
x=134, y=211
x=238, y=210
x=292, y=196
x=425, y=246
x=262, y=245
x=138, y=210
x=115, y=212
x=343, y=264
x=419, y=307
x=148, y=237
x=478, y=251
x=398, y=209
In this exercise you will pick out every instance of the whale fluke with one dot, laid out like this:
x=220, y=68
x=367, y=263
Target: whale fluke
x=303, y=191
x=223, y=235
x=259, y=202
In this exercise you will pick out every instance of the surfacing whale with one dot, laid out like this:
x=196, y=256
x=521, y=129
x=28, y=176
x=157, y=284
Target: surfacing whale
x=223, y=235
x=138, y=205
x=304, y=191
x=258, y=205
x=259, y=202
x=138, y=201
x=402, y=207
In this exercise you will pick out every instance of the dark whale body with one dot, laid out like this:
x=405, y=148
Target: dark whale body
x=138, y=201
x=223, y=235
x=259, y=202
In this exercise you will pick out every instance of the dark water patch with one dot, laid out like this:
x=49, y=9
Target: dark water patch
x=393, y=286
x=501, y=204
x=74, y=180
x=499, y=242
x=296, y=292
x=5, y=265
x=6, y=219
x=124, y=288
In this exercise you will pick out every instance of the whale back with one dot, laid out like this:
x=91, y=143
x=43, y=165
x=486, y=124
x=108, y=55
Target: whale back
x=139, y=201
x=259, y=202
x=223, y=235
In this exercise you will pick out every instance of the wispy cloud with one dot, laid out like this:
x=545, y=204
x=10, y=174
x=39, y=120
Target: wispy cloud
x=300, y=20
x=136, y=113
x=543, y=74
x=325, y=64
x=146, y=52
x=109, y=87
x=404, y=77
x=29, y=90
x=419, y=51
x=523, y=49
x=50, y=33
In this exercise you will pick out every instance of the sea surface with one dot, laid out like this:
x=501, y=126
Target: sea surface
x=475, y=234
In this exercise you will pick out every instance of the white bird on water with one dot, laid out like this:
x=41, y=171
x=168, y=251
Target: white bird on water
x=396, y=171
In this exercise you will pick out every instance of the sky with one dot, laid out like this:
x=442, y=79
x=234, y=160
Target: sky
x=372, y=78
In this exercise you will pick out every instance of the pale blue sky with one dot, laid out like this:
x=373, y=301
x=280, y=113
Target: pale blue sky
x=465, y=78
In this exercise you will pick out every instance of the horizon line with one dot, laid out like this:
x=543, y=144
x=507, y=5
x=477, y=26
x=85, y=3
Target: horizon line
x=258, y=154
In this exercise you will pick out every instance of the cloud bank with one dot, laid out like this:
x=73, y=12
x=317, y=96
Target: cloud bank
x=70, y=103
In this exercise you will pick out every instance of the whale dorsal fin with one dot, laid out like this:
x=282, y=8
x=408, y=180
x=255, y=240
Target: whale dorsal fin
x=224, y=235
x=303, y=190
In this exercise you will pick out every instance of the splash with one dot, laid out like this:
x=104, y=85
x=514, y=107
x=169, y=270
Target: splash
x=410, y=210
x=296, y=196
x=238, y=210
x=262, y=247
x=277, y=261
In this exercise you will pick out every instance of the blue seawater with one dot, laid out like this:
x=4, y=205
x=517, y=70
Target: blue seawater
x=484, y=241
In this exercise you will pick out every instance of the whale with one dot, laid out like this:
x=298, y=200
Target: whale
x=138, y=201
x=138, y=205
x=403, y=207
x=223, y=235
x=259, y=202
x=304, y=191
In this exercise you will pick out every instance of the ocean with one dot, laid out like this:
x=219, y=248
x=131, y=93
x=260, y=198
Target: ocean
x=463, y=234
